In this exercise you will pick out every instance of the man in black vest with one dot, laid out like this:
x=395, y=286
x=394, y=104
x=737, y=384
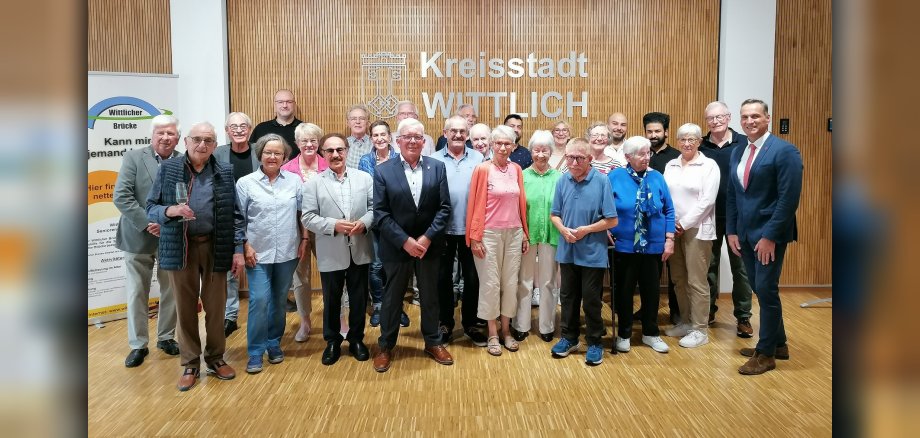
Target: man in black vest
x=200, y=240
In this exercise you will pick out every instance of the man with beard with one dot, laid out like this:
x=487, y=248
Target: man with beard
x=284, y=122
x=656, y=131
x=406, y=109
x=520, y=154
x=616, y=124
x=240, y=157
x=719, y=145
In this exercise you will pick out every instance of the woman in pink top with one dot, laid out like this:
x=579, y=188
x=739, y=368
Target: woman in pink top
x=496, y=231
x=307, y=164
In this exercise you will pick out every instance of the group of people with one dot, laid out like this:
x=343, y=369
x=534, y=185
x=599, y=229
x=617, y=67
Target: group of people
x=521, y=225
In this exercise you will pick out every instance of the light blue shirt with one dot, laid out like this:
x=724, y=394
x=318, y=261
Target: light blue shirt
x=271, y=222
x=583, y=203
x=459, y=174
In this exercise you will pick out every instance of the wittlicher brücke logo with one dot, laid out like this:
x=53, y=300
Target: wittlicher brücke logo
x=122, y=116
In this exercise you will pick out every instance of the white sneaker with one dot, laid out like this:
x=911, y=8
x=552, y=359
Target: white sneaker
x=622, y=345
x=678, y=331
x=535, y=298
x=656, y=343
x=694, y=339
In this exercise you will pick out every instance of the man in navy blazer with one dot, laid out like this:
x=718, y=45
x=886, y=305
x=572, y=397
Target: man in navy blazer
x=411, y=209
x=766, y=183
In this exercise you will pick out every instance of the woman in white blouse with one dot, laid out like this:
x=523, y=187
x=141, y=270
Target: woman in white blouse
x=693, y=180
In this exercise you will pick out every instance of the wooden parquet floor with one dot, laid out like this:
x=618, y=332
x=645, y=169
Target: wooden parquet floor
x=688, y=392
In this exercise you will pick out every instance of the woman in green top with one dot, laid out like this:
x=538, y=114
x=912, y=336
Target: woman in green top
x=538, y=266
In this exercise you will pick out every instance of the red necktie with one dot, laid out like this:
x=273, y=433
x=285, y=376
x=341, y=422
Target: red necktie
x=747, y=166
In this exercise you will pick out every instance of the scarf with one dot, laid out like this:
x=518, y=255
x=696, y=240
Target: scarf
x=645, y=207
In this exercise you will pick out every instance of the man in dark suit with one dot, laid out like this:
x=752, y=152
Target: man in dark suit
x=411, y=209
x=766, y=182
x=138, y=238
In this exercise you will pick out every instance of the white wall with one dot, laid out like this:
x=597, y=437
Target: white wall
x=199, y=58
x=746, y=54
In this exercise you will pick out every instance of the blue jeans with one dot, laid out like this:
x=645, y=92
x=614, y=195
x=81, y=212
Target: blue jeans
x=376, y=276
x=268, y=288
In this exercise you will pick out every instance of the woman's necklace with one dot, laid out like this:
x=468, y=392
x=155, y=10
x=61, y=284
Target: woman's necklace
x=500, y=169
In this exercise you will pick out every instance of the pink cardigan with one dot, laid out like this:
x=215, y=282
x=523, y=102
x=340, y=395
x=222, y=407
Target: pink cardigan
x=476, y=203
x=293, y=166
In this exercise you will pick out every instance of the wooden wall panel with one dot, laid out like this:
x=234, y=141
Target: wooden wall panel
x=129, y=36
x=643, y=55
x=803, y=94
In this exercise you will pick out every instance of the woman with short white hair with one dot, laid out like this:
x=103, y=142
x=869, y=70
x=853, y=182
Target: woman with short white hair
x=693, y=180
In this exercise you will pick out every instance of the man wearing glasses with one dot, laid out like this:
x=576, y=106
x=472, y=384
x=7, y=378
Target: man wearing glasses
x=284, y=122
x=200, y=241
x=468, y=112
x=359, y=142
x=406, y=109
x=411, y=211
x=240, y=157
x=718, y=144
x=583, y=210
x=338, y=208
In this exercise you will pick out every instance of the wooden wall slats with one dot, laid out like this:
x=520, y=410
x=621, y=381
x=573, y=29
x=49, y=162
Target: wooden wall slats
x=803, y=93
x=643, y=55
x=129, y=36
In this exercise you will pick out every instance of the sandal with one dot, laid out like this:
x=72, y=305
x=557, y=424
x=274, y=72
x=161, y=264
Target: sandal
x=494, y=348
x=511, y=344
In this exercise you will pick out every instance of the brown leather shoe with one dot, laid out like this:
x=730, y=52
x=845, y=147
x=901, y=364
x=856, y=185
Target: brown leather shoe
x=744, y=328
x=440, y=355
x=781, y=353
x=382, y=360
x=188, y=379
x=758, y=364
x=221, y=370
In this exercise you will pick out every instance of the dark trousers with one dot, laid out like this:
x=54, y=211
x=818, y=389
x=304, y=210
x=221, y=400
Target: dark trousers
x=581, y=285
x=673, y=308
x=397, y=280
x=456, y=245
x=765, y=279
x=633, y=269
x=354, y=278
x=198, y=279
x=741, y=288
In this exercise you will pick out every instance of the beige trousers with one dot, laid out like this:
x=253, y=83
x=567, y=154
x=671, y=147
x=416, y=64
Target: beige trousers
x=538, y=270
x=689, y=270
x=498, y=273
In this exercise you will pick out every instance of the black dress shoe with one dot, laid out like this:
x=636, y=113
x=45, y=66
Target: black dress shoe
x=229, y=327
x=519, y=336
x=290, y=306
x=136, y=357
x=169, y=346
x=359, y=351
x=546, y=337
x=332, y=352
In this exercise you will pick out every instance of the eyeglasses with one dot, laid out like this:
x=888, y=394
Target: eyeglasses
x=453, y=131
x=598, y=136
x=688, y=140
x=560, y=129
x=308, y=142
x=506, y=144
x=412, y=138
x=575, y=158
x=289, y=102
x=407, y=114
x=241, y=127
x=719, y=117
x=356, y=119
x=273, y=154
x=199, y=140
x=330, y=151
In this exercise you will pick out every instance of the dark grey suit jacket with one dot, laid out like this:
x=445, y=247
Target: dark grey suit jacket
x=138, y=169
